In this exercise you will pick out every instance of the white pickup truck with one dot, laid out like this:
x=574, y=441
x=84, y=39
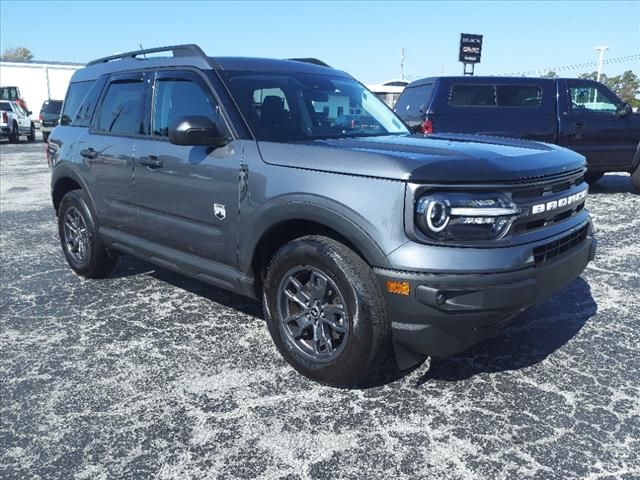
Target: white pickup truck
x=14, y=121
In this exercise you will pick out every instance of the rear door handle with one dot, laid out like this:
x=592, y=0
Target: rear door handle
x=89, y=153
x=579, y=125
x=151, y=161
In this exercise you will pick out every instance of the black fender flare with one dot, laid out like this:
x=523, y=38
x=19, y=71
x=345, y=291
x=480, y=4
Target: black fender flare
x=321, y=210
x=63, y=171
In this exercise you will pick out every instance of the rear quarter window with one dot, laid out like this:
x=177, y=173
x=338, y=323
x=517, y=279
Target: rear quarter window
x=414, y=101
x=527, y=96
x=518, y=95
x=472, y=96
x=72, y=103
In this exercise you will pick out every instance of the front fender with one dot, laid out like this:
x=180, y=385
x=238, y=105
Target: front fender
x=322, y=210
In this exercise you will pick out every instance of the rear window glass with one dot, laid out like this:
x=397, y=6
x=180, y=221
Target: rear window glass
x=75, y=95
x=52, y=106
x=9, y=93
x=414, y=101
x=518, y=95
x=472, y=95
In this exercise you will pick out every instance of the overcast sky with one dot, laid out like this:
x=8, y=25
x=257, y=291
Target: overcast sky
x=363, y=38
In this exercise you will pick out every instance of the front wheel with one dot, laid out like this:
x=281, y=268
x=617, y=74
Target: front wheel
x=635, y=178
x=81, y=244
x=325, y=311
x=593, y=177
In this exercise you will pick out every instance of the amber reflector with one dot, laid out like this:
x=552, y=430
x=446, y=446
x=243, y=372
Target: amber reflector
x=399, y=288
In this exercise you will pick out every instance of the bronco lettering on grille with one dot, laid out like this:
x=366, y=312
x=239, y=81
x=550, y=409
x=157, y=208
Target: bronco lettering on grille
x=560, y=203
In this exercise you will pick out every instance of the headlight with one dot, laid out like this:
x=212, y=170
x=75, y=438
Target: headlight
x=463, y=216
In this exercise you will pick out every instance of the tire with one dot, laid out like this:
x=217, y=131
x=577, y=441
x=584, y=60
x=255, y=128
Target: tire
x=84, y=251
x=45, y=137
x=635, y=179
x=14, y=136
x=593, y=177
x=340, y=339
x=31, y=137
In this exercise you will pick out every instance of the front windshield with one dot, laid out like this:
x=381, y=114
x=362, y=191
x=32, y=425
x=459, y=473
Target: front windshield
x=296, y=106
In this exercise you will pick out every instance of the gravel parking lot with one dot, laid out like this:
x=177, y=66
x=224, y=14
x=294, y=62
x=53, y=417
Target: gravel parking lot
x=148, y=374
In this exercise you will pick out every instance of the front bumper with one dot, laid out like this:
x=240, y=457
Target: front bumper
x=447, y=313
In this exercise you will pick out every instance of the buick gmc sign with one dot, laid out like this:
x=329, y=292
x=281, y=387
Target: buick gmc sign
x=470, y=48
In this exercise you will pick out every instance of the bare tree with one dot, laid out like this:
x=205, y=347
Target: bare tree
x=17, y=54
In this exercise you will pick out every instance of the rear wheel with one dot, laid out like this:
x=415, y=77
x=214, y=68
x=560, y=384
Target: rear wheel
x=81, y=244
x=45, y=137
x=593, y=177
x=325, y=311
x=32, y=134
x=14, y=136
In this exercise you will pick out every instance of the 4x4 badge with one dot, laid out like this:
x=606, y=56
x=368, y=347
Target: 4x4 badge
x=219, y=211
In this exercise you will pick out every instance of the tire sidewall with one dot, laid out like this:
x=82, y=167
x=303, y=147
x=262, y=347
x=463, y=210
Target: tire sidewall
x=14, y=136
x=352, y=362
x=635, y=178
x=76, y=199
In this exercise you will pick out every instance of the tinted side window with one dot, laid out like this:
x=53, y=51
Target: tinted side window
x=518, y=95
x=472, y=95
x=414, y=101
x=75, y=95
x=5, y=106
x=177, y=97
x=122, y=109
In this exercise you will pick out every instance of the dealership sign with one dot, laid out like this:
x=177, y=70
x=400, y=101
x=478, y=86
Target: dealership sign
x=470, y=48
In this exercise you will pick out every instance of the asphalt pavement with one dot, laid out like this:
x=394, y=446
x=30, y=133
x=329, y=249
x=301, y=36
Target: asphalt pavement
x=148, y=374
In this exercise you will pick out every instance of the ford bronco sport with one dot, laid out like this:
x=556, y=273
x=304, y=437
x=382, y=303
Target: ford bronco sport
x=288, y=181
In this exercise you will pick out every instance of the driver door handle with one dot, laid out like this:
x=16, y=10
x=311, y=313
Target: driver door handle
x=151, y=161
x=578, y=125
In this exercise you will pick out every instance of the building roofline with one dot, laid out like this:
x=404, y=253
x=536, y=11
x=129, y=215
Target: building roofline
x=43, y=62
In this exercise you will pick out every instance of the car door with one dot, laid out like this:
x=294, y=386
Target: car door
x=187, y=196
x=590, y=124
x=107, y=148
x=22, y=117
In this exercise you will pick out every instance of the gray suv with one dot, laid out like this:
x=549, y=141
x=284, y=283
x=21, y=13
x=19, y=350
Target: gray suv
x=288, y=181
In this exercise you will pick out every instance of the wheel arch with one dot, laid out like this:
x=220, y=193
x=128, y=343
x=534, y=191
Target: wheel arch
x=282, y=223
x=65, y=180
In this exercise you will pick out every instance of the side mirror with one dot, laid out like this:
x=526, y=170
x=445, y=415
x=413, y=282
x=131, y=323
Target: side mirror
x=624, y=109
x=29, y=112
x=194, y=131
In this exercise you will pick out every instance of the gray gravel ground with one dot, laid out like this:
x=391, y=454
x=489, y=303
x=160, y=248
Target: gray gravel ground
x=148, y=374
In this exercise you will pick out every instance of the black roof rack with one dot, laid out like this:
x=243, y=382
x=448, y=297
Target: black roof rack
x=314, y=61
x=189, y=50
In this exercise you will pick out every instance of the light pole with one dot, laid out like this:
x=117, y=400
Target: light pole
x=601, y=60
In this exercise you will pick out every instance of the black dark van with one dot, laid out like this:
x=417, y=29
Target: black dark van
x=583, y=115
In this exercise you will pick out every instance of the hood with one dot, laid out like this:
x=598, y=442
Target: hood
x=448, y=158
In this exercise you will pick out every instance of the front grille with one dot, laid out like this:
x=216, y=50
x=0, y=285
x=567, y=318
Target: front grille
x=555, y=190
x=552, y=249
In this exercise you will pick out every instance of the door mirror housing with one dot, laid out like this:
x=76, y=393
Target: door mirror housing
x=196, y=130
x=624, y=109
